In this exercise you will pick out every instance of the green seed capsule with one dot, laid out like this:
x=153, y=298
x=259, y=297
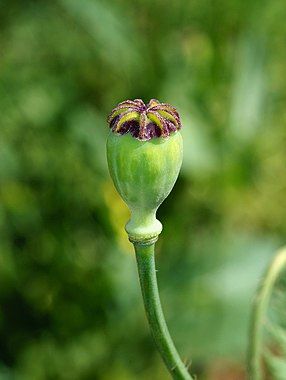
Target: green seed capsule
x=144, y=164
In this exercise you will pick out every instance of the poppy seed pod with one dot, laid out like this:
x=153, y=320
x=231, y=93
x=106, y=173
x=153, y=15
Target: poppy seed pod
x=144, y=153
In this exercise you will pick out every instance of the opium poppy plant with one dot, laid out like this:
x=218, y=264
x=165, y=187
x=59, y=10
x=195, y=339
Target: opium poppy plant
x=144, y=153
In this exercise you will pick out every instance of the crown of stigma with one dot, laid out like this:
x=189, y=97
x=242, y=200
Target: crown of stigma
x=144, y=121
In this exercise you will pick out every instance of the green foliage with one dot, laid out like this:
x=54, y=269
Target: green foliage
x=70, y=305
x=266, y=354
x=274, y=353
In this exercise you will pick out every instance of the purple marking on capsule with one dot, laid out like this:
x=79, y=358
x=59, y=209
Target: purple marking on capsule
x=140, y=126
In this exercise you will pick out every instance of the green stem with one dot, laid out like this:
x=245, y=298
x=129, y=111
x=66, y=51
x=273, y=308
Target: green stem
x=259, y=312
x=159, y=330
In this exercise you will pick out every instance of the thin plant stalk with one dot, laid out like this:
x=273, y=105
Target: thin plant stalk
x=148, y=281
x=259, y=313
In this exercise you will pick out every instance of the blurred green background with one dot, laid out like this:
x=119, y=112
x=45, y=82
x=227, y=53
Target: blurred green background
x=70, y=303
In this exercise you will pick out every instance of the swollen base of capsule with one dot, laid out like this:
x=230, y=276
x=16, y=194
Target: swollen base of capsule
x=143, y=227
